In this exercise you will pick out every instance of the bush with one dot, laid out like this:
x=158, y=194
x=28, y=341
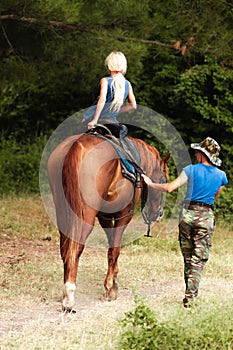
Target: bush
x=19, y=165
x=19, y=172
x=202, y=328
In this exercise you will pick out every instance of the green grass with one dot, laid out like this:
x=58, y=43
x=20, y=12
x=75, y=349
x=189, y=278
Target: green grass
x=25, y=217
x=205, y=326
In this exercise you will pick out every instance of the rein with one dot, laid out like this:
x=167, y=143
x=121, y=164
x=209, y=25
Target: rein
x=145, y=215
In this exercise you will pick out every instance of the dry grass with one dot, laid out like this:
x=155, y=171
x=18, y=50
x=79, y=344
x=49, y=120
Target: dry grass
x=31, y=277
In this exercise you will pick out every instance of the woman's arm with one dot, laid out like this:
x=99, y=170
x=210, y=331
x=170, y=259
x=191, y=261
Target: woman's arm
x=167, y=187
x=219, y=191
x=101, y=102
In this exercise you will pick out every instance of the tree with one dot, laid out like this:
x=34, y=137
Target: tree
x=179, y=62
x=48, y=70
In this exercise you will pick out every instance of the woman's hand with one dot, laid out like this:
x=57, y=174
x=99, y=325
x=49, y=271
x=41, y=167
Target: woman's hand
x=147, y=179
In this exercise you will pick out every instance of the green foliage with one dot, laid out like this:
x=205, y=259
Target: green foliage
x=28, y=109
x=19, y=166
x=224, y=205
x=49, y=71
x=140, y=336
x=52, y=58
x=207, y=90
x=203, y=100
x=199, y=329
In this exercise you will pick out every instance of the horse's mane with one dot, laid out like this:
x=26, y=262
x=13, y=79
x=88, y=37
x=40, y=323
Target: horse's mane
x=151, y=156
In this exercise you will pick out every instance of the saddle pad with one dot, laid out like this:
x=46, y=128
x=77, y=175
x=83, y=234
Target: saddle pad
x=129, y=170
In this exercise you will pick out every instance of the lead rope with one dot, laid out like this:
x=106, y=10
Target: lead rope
x=143, y=203
x=144, y=215
x=148, y=230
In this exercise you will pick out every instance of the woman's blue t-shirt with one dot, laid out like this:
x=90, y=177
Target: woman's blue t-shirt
x=204, y=182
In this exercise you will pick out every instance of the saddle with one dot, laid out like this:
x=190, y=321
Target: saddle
x=127, y=152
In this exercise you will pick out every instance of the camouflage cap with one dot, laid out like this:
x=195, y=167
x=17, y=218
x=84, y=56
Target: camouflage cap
x=210, y=148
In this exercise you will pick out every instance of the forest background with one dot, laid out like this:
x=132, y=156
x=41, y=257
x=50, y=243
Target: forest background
x=52, y=55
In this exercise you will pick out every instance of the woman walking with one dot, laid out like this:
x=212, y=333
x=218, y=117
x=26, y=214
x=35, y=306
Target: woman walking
x=204, y=183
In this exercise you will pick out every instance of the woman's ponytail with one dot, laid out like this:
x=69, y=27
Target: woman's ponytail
x=116, y=62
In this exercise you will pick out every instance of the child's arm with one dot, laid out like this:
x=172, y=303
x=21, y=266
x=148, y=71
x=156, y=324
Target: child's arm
x=132, y=101
x=100, y=103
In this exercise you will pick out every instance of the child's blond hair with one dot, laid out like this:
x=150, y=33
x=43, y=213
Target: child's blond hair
x=116, y=62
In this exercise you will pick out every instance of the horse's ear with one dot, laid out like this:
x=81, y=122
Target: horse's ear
x=165, y=159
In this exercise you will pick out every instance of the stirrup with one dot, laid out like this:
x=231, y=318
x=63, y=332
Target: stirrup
x=100, y=129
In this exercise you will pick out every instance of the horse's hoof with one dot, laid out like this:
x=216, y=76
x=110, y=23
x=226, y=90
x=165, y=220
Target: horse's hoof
x=68, y=297
x=111, y=295
x=68, y=310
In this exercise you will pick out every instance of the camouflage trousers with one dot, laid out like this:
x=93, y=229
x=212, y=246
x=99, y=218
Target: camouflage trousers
x=195, y=236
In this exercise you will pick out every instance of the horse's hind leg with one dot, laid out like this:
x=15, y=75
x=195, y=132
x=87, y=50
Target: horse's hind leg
x=70, y=253
x=71, y=250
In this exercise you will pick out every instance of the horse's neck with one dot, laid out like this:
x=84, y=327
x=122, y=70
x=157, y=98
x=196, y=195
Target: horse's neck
x=150, y=158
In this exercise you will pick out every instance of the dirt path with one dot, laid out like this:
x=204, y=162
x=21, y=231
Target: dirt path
x=25, y=312
x=30, y=312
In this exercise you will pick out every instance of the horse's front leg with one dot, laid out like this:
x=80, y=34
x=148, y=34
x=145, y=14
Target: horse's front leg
x=110, y=283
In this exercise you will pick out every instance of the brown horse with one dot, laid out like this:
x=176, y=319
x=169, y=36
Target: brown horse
x=85, y=176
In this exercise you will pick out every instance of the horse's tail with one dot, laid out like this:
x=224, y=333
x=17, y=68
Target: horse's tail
x=70, y=243
x=67, y=197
